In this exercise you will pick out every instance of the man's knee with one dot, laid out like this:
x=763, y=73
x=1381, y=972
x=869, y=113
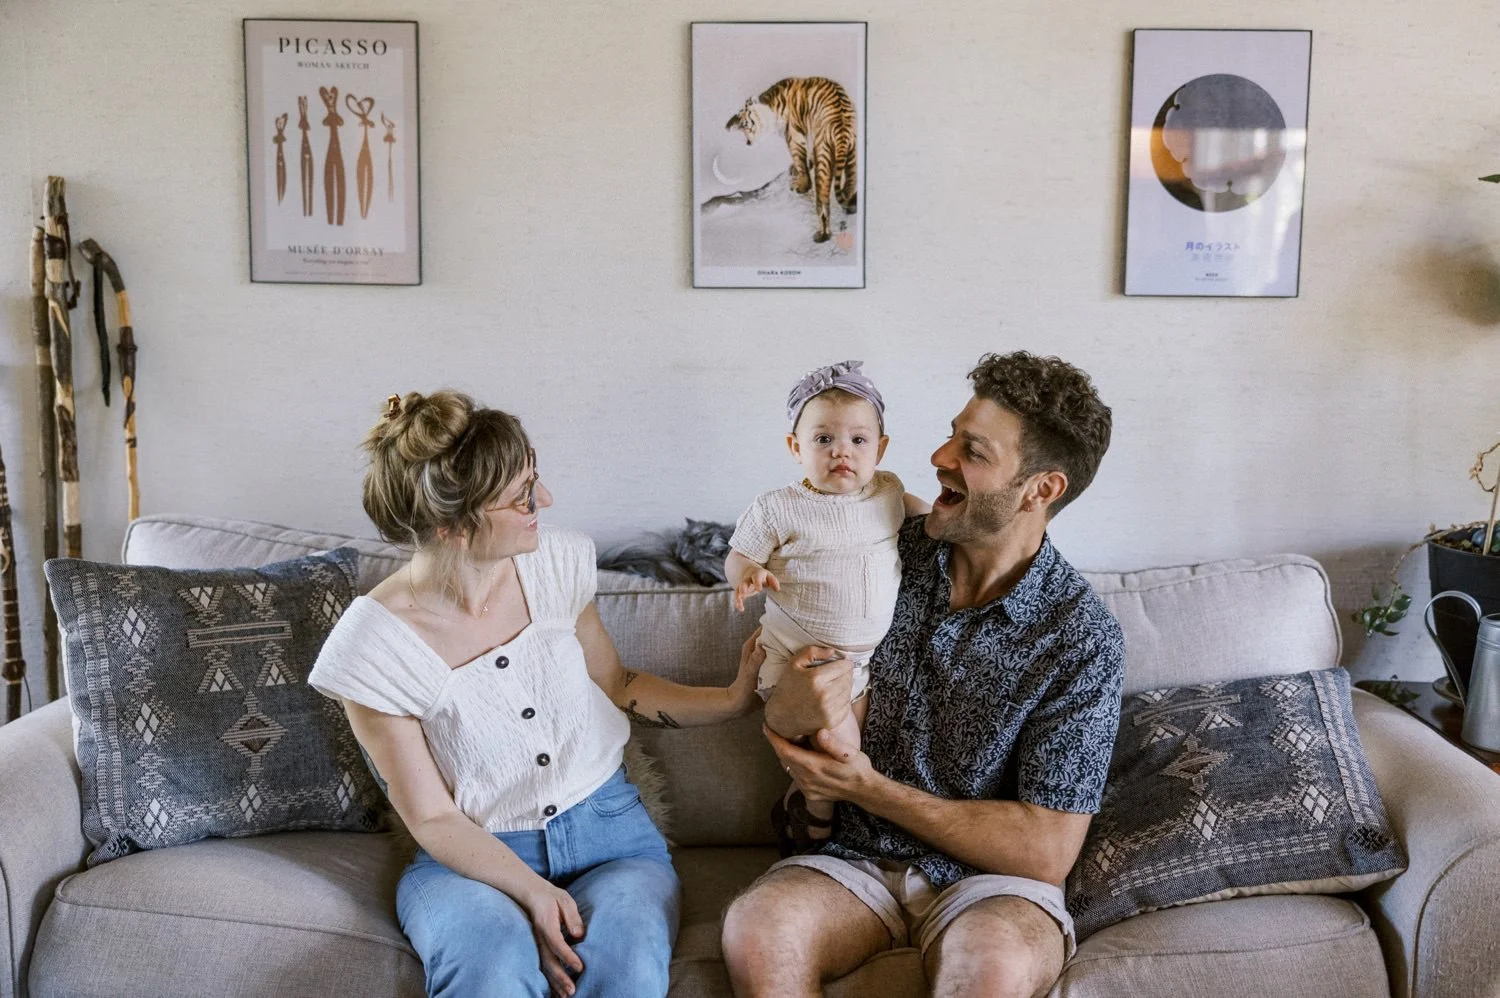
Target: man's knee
x=1000, y=948
x=772, y=923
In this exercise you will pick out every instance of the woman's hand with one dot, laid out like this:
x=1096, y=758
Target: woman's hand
x=742, y=696
x=553, y=912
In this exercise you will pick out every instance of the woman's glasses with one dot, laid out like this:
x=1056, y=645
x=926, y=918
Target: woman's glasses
x=528, y=503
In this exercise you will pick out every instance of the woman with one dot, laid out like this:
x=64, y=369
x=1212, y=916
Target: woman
x=482, y=684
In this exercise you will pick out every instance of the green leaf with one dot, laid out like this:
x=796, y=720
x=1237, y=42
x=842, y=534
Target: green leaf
x=1493, y=178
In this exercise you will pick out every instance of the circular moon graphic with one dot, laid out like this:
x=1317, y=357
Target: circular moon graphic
x=719, y=175
x=1218, y=142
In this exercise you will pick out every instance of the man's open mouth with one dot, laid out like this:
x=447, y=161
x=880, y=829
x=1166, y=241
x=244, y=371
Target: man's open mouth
x=950, y=496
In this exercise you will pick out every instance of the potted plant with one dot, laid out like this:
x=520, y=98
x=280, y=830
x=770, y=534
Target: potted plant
x=1465, y=558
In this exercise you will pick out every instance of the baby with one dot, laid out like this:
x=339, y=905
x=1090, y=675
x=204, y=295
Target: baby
x=826, y=548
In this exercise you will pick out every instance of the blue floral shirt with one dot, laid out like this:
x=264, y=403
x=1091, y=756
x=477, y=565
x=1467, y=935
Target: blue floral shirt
x=1018, y=699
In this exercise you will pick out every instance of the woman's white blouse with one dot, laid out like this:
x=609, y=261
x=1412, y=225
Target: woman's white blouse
x=520, y=733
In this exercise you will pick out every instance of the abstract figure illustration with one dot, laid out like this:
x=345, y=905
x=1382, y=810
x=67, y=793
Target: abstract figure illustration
x=390, y=145
x=333, y=160
x=306, y=165
x=818, y=122
x=280, y=140
x=1218, y=142
x=364, y=167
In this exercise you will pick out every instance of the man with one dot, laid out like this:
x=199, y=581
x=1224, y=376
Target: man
x=992, y=712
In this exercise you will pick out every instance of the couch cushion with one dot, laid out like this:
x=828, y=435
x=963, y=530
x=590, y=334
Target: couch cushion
x=299, y=913
x=194, y=717
x=1216, y=790
x=1291, y=946
x=1222, y=620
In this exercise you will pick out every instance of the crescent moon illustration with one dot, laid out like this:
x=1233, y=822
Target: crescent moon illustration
x=719, y=176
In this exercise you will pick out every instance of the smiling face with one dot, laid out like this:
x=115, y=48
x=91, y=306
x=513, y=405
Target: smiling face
x=838, y=443
x=979, y=468
x=509, y=529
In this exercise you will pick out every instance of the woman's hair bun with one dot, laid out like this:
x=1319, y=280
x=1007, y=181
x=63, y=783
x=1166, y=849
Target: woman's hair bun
x=420, y=427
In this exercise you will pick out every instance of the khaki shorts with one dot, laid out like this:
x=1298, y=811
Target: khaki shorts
x=916, y=913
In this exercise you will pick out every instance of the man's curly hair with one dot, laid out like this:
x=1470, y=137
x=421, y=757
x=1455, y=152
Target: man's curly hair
x=1064, y=424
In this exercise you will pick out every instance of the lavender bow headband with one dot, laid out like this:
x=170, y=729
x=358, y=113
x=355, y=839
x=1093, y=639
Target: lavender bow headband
x=846, y=377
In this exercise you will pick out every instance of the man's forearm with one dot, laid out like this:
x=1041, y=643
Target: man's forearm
x=1006, y=837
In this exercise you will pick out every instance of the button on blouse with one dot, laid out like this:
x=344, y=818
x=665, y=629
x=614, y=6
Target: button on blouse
x=533, y=693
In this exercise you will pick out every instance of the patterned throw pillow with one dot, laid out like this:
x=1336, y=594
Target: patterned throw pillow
x=1252, y=787
x=192, y=712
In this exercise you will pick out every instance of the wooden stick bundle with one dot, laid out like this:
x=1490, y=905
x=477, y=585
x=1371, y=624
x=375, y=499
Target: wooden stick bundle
x=45, y=389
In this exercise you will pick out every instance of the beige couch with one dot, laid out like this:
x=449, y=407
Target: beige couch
x=312, y=913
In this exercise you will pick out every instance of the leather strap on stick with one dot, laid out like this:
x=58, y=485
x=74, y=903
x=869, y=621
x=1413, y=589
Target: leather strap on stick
x=105, y=265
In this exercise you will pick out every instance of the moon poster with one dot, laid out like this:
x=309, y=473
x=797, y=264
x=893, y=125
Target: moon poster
x=331, y=134
x=1218, y=150
x=779, y=154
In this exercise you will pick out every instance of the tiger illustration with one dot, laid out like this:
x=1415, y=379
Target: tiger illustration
x=818, y=123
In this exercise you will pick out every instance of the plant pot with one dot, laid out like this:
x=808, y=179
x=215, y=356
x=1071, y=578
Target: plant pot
x=1468, y=572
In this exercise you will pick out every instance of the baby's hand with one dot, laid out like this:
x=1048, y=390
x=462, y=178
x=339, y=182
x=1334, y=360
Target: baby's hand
x=753, y=582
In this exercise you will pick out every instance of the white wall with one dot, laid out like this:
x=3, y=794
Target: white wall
x=555, y=211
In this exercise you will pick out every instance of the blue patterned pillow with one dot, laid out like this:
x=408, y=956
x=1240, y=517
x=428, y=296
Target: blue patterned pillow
x=192, y=712
x=1252, y=787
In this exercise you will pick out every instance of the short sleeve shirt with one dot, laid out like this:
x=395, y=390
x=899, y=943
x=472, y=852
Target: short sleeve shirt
x=1018, y=699
x=520, y=733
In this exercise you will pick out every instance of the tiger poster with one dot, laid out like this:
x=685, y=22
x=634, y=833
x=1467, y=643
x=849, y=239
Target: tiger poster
x=779, y=154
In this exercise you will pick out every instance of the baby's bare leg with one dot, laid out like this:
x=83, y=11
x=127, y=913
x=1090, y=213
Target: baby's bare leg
x=846, y=731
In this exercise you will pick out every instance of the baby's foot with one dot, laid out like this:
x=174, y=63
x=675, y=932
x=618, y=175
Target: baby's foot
x=798, y=828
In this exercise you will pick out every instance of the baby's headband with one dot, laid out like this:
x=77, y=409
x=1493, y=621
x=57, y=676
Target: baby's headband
x=846, y=377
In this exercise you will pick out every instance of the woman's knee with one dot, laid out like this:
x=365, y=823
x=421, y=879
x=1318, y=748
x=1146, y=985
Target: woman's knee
x=471, y=938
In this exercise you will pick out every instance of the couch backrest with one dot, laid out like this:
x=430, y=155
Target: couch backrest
x=1204, y=623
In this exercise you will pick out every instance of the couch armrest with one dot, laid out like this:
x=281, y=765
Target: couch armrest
x=41, y=836
x=1436, y=921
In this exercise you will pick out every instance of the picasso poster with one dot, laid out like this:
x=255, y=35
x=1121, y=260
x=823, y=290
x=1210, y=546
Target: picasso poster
x=331, y=133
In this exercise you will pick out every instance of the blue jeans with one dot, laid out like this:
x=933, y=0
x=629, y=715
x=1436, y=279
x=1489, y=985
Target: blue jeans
x=475, y=941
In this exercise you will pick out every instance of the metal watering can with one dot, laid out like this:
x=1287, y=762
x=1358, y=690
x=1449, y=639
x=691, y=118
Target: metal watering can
x=1477, y=681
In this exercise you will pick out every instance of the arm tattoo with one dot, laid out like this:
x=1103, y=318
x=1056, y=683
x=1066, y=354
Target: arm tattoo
x=663, y=719
x=631, y=677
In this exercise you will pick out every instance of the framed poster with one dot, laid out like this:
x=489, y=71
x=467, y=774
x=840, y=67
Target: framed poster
x=1218, y=149
x=331, y=139
x=779, y=154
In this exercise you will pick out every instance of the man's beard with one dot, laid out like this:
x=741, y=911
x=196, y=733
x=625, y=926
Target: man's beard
x=984, y=516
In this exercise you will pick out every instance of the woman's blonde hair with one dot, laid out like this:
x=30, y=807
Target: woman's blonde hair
x=436, y=462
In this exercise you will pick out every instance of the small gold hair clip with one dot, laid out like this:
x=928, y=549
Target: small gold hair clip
x=392, y=406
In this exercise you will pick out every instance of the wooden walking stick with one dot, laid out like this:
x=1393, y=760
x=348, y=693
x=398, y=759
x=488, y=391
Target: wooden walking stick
x=59, y=278
x=390, y=146
x=305, y=165
x=105, y=265
x=333, y=159
x=46, y=387
x=280, y=140
x=364, y=167
x=13, y=671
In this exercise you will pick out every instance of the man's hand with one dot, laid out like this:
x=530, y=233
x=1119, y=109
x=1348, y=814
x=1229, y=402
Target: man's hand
x=752, y=582
x=807, y=696
x=835, y=770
